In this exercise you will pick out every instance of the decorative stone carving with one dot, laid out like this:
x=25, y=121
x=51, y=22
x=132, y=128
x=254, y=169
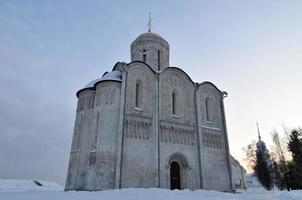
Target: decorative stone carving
x=175, y=80
x=109, y=93
x=98, y=98
x=170, y=134
x=85, y=102
x=81, y=103
x=138, y=129
x=213, y=140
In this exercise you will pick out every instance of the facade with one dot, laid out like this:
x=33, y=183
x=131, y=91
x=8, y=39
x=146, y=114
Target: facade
x=238, y=173
x=146, y=124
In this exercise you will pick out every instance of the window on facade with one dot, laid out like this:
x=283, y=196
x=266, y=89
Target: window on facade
x=208, y=109
x=173, y=103
x=144, y=55
x=138, y=94
x=158, y=60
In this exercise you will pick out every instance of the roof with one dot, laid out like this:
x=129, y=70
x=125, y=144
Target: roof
x=112, y=76
x=150, y=35
x=109, y=76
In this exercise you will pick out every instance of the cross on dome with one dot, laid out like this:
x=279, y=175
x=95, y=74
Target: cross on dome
x=149, y=22
x=259, y=137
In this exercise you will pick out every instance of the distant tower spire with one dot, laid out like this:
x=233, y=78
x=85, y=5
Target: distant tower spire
x=259, y=137
x=149, y=22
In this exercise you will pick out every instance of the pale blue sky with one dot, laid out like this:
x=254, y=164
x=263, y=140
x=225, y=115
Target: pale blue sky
x=50, y=49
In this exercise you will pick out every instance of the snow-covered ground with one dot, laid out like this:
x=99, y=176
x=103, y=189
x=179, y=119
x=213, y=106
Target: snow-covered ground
x=11, y=189
x=17, y=185
x=148, y=194
x=252, y=183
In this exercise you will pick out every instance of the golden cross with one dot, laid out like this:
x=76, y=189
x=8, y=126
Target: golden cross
x=149, y=22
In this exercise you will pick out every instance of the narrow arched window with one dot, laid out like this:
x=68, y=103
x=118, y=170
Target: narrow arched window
x=158, y=60
x=208, y=107
x=173, y=103
x=138, y=94
x=144, y=55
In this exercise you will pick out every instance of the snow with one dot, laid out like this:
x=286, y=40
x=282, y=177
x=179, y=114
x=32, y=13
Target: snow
x=27, y=185
x=113, y=76
x=150, y=194
x=252, y=183
x=11, y=189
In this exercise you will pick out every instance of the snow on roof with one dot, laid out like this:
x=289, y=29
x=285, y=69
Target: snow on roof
x=111, y=76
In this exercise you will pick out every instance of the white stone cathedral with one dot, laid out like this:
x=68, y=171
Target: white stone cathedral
x=147, y=124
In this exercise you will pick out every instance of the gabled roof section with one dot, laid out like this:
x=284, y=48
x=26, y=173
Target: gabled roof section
x=141, y=62
x=180, y=70
x=210, y=83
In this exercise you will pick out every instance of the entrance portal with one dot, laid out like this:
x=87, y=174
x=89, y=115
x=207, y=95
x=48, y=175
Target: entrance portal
x=175, y=175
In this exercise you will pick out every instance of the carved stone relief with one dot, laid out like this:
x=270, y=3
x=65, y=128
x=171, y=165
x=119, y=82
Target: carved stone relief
x=138, y=129
x=174, y=80
x=212, y=140
x=170, y=134
x=85, y=102
x=108, y=95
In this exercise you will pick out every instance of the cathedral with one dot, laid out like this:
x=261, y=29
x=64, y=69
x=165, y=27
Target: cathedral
x=146, y=124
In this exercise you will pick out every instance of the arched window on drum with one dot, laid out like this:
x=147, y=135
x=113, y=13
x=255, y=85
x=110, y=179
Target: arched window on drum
x=174, y=104
x=144, y=56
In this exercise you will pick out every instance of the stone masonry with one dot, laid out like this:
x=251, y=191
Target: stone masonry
x=146, y=124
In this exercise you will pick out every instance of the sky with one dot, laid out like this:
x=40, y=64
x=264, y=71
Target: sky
x=51, y=49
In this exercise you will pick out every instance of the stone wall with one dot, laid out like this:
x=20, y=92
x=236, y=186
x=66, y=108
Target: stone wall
x=127, y=135
x=177, y=131
x=93, y=151
x=213, y=138
x=109, y=111
x=138, y=153
x=238, y=173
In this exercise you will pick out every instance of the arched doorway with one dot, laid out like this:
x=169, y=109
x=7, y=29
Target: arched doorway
x=175, y=176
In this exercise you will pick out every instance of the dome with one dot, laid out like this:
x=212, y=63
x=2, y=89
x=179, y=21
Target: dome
x=150, y=36
x=110, y=76
x=151, y=49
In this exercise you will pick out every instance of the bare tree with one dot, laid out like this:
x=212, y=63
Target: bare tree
x=250, y=155
x=279, y=162
x=278, y=147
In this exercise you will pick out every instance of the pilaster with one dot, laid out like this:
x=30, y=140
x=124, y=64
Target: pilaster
x=227, y=144
x=199, y=139
x=156, y=130
x=120, y=137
